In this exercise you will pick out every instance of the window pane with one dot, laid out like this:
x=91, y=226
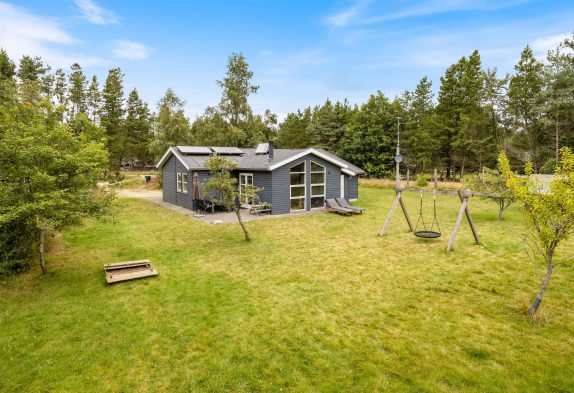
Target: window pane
x=298, y=204
x=317, y=202
x=316, y=167
x=317, y=190
x=317, y=178
x=298, y=168
x=297, y=178
x=297, y=191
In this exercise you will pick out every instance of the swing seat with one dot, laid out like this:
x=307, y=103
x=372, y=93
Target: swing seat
x=427, y=234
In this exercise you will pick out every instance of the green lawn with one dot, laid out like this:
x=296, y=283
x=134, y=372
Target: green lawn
x=314, y=303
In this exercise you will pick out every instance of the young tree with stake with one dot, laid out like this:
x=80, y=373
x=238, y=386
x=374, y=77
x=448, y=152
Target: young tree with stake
x=550, y=213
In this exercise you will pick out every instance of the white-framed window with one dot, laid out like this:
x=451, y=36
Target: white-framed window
x=318, y=185
x=298, y=186
x=179, y=182
x=245, y=180
x=184, y=182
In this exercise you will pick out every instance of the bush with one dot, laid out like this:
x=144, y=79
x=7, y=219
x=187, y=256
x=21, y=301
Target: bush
x=422, y=180
x=549, y=166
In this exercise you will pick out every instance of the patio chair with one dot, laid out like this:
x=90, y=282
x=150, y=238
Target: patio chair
x=343, y=202
x=206, y=205
x=332, y=206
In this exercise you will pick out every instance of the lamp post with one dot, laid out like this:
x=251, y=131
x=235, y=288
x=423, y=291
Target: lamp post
x=398, y=157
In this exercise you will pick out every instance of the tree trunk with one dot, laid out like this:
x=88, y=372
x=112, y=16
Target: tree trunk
x=41, y=252
x=238, y=213
x=500, y=209
x=538, y=299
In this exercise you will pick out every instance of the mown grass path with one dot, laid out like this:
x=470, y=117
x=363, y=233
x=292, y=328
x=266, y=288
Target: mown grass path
x=315, y=303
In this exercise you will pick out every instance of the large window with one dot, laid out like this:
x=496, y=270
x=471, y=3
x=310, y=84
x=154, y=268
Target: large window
x=317, y=185
x=298, y=187
x=179, y=182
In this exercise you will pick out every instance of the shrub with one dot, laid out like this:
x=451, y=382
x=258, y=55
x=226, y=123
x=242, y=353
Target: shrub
x=422, y=180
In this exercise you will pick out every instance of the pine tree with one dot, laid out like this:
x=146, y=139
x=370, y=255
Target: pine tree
x=523, y=93
x=60, y=87
x=94, y=100
x=370, y=136
x=7, y=66
x=31, y=68
x=78, y=91
x=112, y=114
x=293, y=130
x=137, y=128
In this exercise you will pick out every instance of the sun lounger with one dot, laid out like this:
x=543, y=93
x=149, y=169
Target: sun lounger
x=129, y=270
x=343, y=202
x=332, y=206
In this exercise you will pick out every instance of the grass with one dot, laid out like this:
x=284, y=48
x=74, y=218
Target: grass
x=314, y=303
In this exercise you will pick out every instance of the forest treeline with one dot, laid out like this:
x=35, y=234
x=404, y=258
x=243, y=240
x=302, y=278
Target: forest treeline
x=476, y=114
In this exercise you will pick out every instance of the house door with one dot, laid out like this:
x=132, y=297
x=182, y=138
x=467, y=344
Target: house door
x=342, y=186
x=245, y=179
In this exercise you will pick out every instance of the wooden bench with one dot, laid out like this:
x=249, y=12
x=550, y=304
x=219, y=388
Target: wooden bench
x=129, y=270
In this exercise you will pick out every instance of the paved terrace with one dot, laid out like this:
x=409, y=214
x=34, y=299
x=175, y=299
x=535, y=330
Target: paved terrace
x=155, y=196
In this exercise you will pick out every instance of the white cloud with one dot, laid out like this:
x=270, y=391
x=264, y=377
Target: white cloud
x=93, y=13
x=131, y=50
x=345, y=17
x=543, y=44
x=23, y=33
x=352, y=15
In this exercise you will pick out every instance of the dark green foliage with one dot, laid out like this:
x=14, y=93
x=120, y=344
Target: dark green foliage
x=172, y=127
x=48, y=176
x=7, y=66
x=293, y=130
x=371, y=136
x=112, y=115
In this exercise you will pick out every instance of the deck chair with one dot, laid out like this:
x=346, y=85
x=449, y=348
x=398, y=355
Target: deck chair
x=343, y=202
x=332, y=206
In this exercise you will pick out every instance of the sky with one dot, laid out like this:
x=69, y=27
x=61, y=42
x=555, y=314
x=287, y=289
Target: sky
x=301, y=52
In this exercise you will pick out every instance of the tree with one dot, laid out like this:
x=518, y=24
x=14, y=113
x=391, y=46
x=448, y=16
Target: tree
x=112, y=114
x=7, y=66
x=94, y=100
x=48, y=175
x=225, y=186
x=292, y=131
x=557, y=97
x=31, y=68
x=491, y=181
x=328, y=125
x=237, y=88
x=523, y=93
x=550, y=213
x=172, y=128
x=418, y=125
x=77, y=91
x=371, y=136
x=137, y=128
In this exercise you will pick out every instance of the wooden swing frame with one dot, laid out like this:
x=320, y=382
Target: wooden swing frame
x=464, y=197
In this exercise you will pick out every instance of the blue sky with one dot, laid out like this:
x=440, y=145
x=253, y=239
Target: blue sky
x=301, y=52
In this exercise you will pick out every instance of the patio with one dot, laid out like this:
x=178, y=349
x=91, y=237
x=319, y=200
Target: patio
x=155, y=196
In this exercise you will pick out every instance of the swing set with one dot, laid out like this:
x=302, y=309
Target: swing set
x=429, y=232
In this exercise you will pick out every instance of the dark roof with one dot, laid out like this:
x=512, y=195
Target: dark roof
x=249, y=160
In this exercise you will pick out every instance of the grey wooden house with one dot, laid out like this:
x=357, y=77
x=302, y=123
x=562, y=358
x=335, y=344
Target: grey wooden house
x=292, y=179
